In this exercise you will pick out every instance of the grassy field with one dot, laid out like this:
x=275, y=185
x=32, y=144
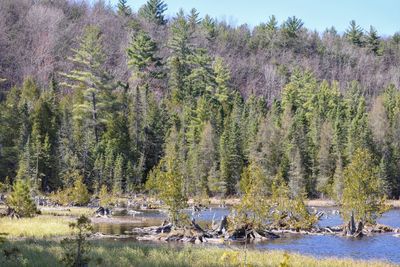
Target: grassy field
x=67, y=211
x=52, y=223
x=39, y=227
x=109, y=253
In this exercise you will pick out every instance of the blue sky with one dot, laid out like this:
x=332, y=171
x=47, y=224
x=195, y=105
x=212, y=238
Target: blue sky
x=384, y=15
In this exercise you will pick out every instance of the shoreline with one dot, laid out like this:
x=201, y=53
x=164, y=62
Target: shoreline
x=214, y=201
x=318, y=202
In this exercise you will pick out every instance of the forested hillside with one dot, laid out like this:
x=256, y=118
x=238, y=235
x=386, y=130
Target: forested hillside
x=126, y=99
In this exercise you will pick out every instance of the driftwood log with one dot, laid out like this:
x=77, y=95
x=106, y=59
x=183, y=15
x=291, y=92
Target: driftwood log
x=12, y=213
x=360, y=229
x=9, y=212
x=218, y=232
x=247, y=233
x=350, y=229
x=194, y=233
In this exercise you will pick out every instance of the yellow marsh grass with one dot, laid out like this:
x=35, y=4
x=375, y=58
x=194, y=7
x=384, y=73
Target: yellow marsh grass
x=39, y=227
x=67, y=211
x=127, y=253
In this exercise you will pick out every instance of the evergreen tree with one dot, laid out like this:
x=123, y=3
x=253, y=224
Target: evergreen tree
x=222, y=79
x=109, y=160
x=123, y=8
x=231, y=152
x=136, y=119
x=300, y=149
x=133, y=177
x=209, y=28
x=390, y=100
x=297, y=175
x=396, y=153
x=362, y=193
x=181, y=36
x=25, y=165
x=117, y=132
x=283, y=205
x=155, y=124
x=373, y=40
x=268, y=148
x=20, y=199
x=153, y=11
x=193, y=19
x=292, y=26
x=68, y=147
x=193, y=132
x=169, y=179
x=119, y=175
x=252, y=115
x=255, y=204
x=340, y=130
x=76, y=250
x=98, y=170
x=325, y=159
x=338, y=180
x=28, y=97
x=30, y=93
x=272, y=24
x=178, y=64
x=80, y=195
x=91, y=82
x=178, y=73
x=10, y=125
x=396, y=38
x=201, y=75
x=280, y=198
x=207, y=156
x=44, y=143
x=142, y=58
x=354, y=34
x=387, y=172
x=359, y=134
x=265, y=33
x=300, y=93
x=104, y=196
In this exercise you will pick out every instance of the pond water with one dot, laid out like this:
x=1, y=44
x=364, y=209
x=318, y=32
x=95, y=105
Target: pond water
x=380, y=246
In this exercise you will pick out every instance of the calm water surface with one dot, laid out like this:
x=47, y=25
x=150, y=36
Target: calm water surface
x=380, y=246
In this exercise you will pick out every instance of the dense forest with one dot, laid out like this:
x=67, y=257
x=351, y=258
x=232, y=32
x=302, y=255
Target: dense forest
x=128, y=99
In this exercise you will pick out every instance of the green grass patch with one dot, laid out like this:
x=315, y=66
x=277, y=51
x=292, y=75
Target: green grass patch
x=39, y=227
x=52, y=223
x=128, y=253
x=67, y=211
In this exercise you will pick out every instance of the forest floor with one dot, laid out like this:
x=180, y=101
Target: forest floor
x=129, y=253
